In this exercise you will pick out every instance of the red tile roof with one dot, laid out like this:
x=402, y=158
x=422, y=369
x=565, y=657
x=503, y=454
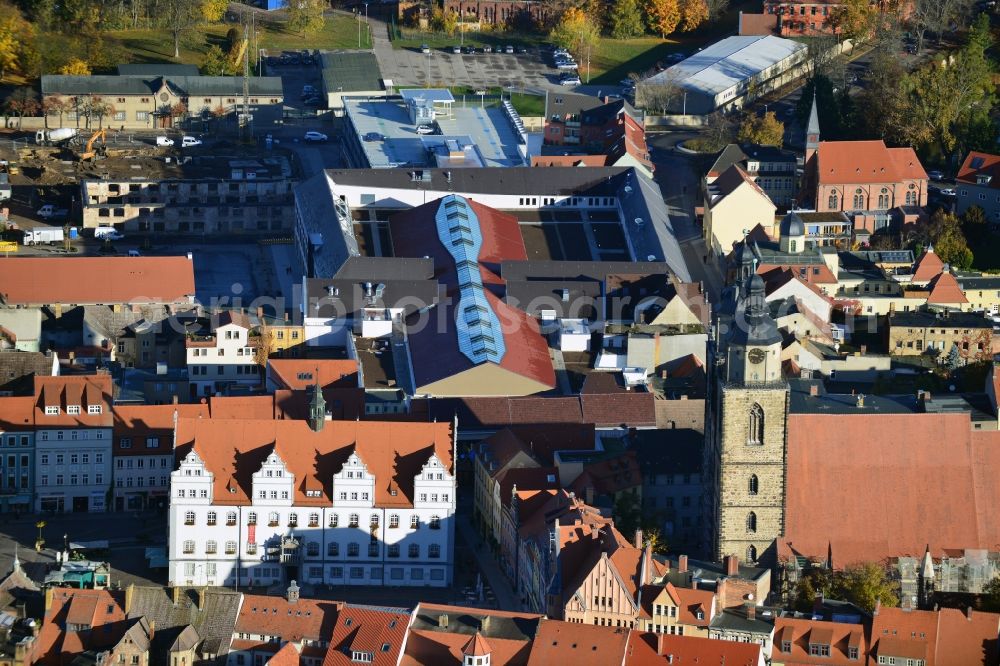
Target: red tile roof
x=342, y=404
x=579, y=644
x=101, y=611
x=393, y=452
x=569, y=160
x=799, y=633
x=688, y=601
x=243, y=407
x=927, y=267
x=632, y=408
x=849, y=162
x=87, y=280
x=757, y=24
x=17, y=412
x=379, y=631
x=301, y=374
x=137, y=423
x=288, y=655
x=987, y=166
x=311, y=619
x=895, y=493
x=815, y=273
x=83, y=391
x=967, y=638
x=945, y=290
x=476, y=646
x=649, y=649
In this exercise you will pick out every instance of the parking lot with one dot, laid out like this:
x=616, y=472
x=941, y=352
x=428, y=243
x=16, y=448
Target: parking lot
x=441, y=67
x=297, y=70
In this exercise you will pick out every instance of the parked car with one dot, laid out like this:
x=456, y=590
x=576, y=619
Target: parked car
x=948, y=192
x=425, y=129
x=509, y=49
x=315, y=100
x=372, y=136
x=935, y=175
x=314, y=136
x=566, y=64
x=426, y=50
x=308, y=91
x=190, y=142
x=108, y=233
x=676, y=57
x=469, y=50
x=487, y=49
x=164, y=141
x=457, y=50
x=572, y=80
x=134, y=253
x=521, y=49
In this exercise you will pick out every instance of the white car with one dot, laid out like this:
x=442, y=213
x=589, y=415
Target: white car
x=164, y=141
x=425, y=129
x=190, y=141
x=570, y=81
x=315, y=136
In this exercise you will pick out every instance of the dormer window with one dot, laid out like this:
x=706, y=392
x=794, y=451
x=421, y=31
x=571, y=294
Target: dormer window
x=362, y=657
x=51, y=410
x=699, y=614
x=93, y=409
x=73, y=409
x=819, y=649
x=786, y=646
x=852, y=653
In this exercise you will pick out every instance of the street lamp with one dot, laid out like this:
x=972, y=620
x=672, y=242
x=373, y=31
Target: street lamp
x=367, y=27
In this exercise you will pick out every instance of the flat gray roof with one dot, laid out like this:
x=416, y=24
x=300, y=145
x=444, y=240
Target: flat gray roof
x=488, y=129
x=434, y=95
x=726, y=63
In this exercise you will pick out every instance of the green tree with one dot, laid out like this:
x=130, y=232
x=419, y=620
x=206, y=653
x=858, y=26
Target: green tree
x=75, y=67
x=975, y=227
x=305, y=16
x=212, y=10
x=693, y=14
x=445, y=21
x=854, y=19
x=764, y=130
x=866, y=583
x=663, y=16
x=829, y=106
x=179, y=18
x=626, y=19
x=576, y=31
x=813, y=583
x=991, y=596
x=215, y=62
x=944, y=231
x=627, y=513
x=653, y=537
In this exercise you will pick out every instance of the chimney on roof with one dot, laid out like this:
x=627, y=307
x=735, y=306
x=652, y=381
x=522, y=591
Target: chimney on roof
x=484, y=624
x=682, y=563
x=814, y=390
x=968, y=612
x=751, y=609
x=637, y=539
x=176, y=594
x=292, y=594
x=443, y=621
x=864, y=349
x=731, y=564
x=861, y=400
x=878, y=607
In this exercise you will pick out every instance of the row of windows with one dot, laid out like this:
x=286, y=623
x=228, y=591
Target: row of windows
x=248, y=369
x=240, y=351
x=274, y=518
x=151, y=442
x=97, y=434
x=54, y=410
x=12, y=440
x=332, y=549
x=139, y=482
x=74, y=458
x=74, y=479
x=139, y=463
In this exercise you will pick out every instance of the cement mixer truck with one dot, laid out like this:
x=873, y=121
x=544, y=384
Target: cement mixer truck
x=53, y=137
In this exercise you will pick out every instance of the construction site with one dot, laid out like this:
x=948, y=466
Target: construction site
x=113, y=178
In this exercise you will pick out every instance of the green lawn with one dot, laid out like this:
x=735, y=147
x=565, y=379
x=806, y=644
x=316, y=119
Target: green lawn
x=414, y=39
x=151, y=46
x=525, y=104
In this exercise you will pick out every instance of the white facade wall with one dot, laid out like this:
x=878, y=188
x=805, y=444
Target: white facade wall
x=229, y=360
x=382, y=548
x=73, y=470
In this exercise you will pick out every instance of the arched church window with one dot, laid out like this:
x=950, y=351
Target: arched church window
x=756, y=434
x=751, y=522
x=753, y=484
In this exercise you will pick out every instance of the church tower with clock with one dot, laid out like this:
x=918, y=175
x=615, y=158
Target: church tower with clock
x=745, y=439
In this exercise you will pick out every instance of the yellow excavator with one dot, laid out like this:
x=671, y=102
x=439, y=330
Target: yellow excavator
x=89, y=153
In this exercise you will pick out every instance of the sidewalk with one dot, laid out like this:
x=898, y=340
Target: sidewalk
x=506, y=598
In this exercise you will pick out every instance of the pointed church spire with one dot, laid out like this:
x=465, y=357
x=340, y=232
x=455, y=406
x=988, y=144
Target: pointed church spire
x=317, y=407
x=813, y=127
x=812, y=132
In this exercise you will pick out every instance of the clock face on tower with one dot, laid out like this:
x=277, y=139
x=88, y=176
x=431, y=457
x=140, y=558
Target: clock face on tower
x=756, y=356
